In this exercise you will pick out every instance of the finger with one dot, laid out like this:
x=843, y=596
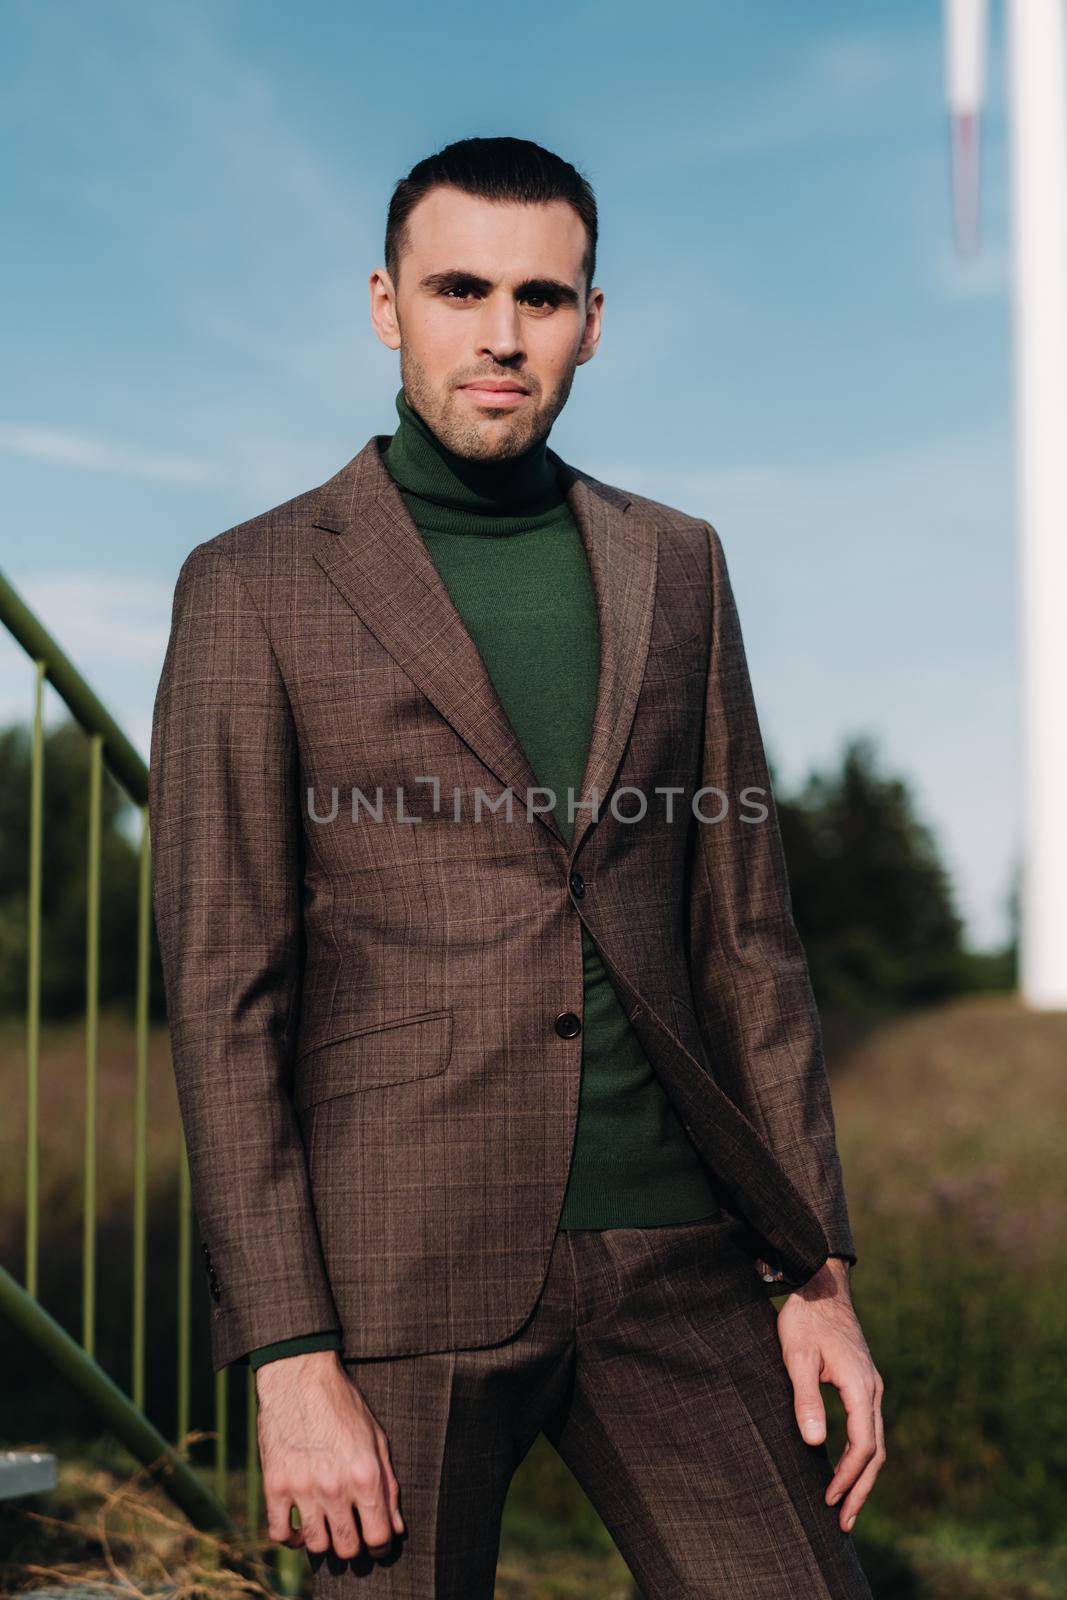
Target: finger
x=371, y=1501
x=804, y=1367
x=879, y=1420
x=314, y=1535
x=392, y=1487
x=858, y=1399
x=866, y=1480
x=863, y=1487
x=341, y=1527
x=857, y=1495
x=279, y=1506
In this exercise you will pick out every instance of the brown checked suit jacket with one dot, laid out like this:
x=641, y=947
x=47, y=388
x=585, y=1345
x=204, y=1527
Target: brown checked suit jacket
x=379, y=1107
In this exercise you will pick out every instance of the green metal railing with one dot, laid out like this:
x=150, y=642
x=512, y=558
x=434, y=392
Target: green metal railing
x=110, y=749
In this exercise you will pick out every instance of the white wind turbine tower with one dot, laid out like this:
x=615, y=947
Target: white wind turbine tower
x=1037, y=125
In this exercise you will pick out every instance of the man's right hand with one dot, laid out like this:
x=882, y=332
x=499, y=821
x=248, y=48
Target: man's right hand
x=323, y=1450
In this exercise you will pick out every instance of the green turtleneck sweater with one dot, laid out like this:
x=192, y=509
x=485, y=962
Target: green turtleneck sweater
x=511, y=556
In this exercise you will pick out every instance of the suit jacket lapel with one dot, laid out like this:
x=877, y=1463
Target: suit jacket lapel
x=383, y=569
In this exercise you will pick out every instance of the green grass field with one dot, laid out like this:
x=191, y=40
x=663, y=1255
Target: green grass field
x=950, y=1124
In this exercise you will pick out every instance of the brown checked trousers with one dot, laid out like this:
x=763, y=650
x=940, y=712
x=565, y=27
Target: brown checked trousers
x=376, y=1033
x=652, y=1363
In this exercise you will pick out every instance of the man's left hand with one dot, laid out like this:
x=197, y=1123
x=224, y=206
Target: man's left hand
x=822, y=1342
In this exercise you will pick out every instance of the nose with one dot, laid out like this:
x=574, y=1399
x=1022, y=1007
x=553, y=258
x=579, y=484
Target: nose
x=500, y=329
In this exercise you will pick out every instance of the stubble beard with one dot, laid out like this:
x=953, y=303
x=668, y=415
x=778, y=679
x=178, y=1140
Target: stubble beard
x=514, y=432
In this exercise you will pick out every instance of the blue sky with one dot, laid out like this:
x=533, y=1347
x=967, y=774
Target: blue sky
x=195, y=195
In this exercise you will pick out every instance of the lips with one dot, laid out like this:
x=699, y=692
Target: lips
x=490, y=398
x=496, y=388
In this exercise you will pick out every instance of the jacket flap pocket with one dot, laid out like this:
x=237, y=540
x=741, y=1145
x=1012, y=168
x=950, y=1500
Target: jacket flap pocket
x=396, y=1051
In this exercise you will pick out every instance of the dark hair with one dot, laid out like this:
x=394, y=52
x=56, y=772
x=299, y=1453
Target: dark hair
x=494, y=169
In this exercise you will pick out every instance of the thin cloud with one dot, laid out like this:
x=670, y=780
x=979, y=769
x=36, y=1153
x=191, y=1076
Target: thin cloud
x=846, y=84
x=77, y=450
x=97, y=617
x=944, y=474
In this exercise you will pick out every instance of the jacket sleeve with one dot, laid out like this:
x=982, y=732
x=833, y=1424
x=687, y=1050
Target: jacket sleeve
x=227, y=865
x=755, y=1005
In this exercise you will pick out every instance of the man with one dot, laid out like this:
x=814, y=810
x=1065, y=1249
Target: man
x=495, y=1046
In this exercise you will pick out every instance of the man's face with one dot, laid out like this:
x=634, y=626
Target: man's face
x=494, y=293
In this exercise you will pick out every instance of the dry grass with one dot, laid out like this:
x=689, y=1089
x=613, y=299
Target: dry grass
x=120, y=1533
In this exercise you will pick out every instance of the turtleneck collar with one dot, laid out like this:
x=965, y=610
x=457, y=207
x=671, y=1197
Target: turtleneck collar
x=448, y=493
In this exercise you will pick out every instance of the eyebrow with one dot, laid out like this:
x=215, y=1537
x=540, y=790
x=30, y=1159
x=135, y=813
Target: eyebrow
x=451, y=276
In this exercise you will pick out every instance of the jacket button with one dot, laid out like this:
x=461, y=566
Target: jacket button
x=577, y=884
x=216, y=1292
x=568, y=1024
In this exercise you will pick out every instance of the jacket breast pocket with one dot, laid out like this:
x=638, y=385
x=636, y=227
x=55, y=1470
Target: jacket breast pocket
x=372, y=1057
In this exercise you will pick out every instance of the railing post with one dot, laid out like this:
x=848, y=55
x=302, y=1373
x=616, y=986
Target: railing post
x=92, y=1041
x=140, y=1129
x=33, y=982
x=253, y=1487
x=185, y=1309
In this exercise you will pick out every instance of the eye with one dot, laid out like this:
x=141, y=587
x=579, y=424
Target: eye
x=536, y=299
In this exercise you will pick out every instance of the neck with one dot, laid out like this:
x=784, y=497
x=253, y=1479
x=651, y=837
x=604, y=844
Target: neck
x=442, y=482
